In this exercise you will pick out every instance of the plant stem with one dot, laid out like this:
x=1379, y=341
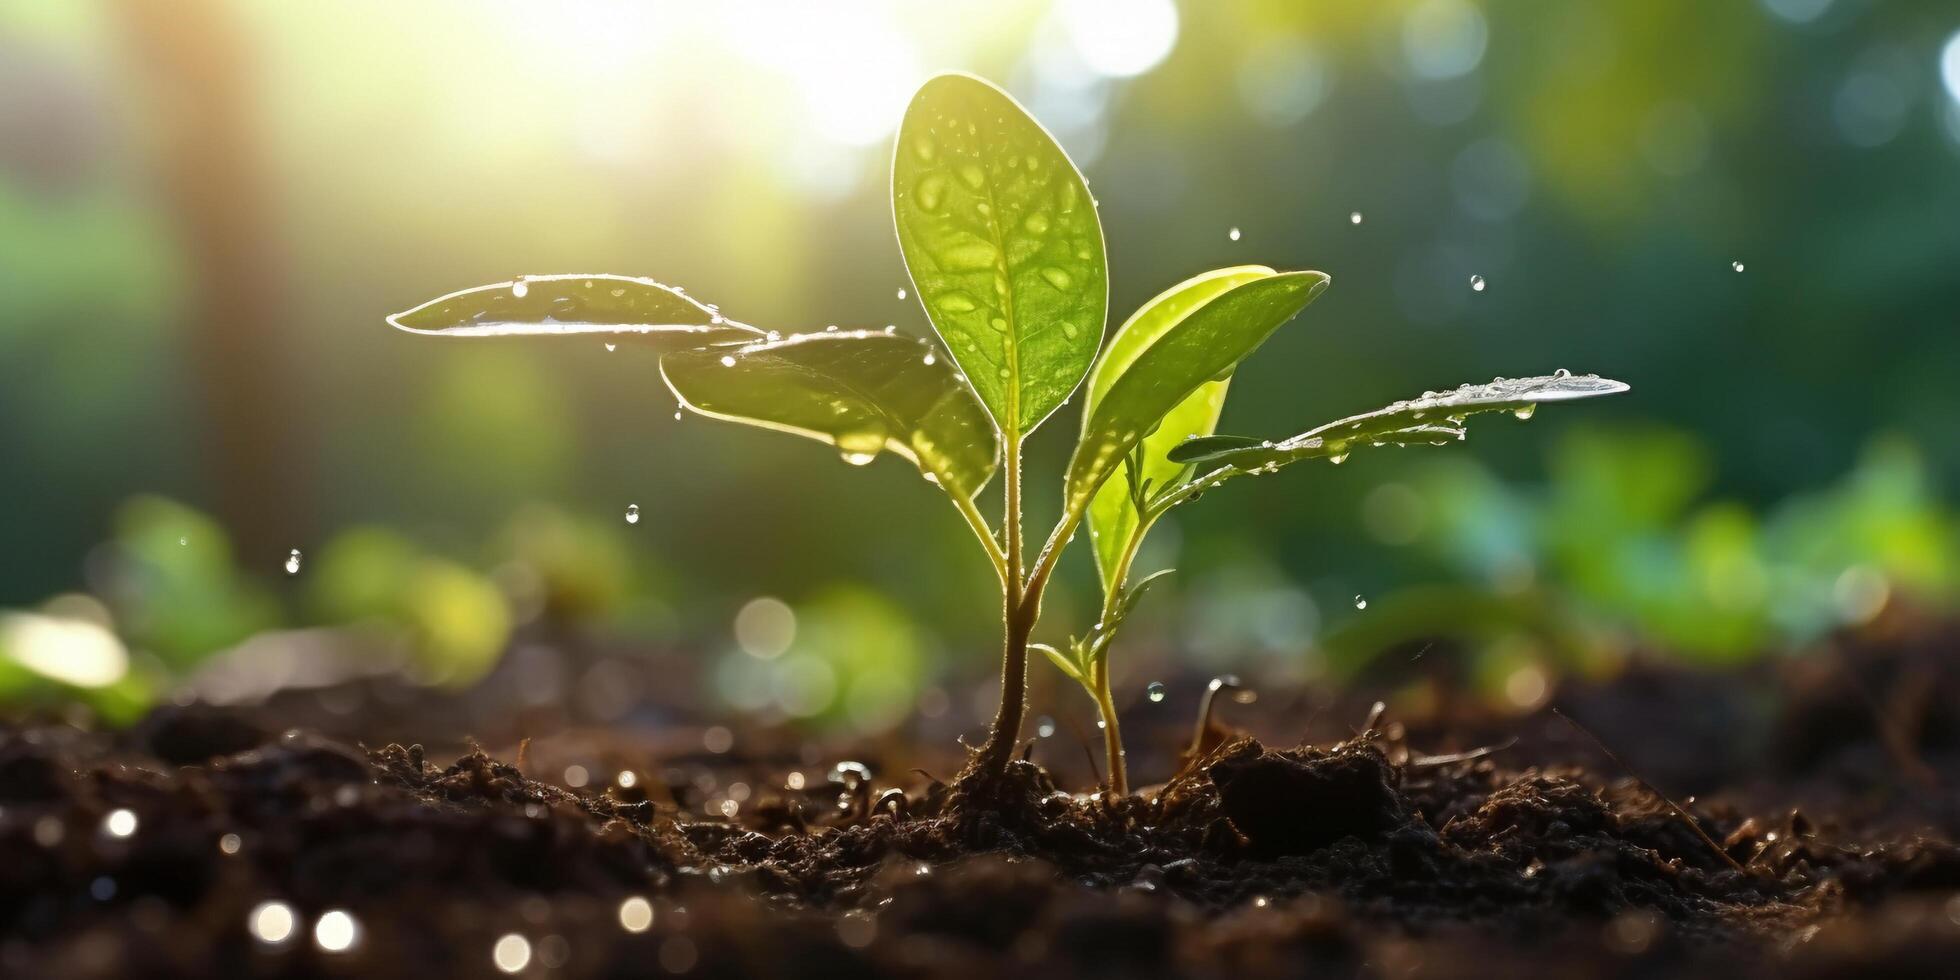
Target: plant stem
x=978, y=523
x=1017, y=616
x=1119, y=770
x=1115, y=758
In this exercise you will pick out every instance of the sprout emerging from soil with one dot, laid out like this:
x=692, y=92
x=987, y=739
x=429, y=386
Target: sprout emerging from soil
x=1005, y=251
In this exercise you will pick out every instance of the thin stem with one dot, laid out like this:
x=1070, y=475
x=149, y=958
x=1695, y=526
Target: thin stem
x=1119, y=770
x=1119, y=777
x=1017, y=616
x=978, y=523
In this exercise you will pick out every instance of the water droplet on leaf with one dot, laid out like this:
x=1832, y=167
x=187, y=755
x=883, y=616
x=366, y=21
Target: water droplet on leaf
x=1526, y=412
x=520, y=289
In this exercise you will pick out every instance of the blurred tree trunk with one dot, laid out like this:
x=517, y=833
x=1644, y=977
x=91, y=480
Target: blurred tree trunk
x=190, y=62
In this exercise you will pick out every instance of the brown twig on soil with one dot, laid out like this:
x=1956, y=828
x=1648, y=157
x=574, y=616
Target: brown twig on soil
x=1087, y=752
x=1649, y=787
x=1464, y=756
x=1223, y=682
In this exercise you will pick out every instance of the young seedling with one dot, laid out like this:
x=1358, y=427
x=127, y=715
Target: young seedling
x=1005, y=252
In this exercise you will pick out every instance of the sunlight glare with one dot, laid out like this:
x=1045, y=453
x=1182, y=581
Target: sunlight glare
x=1120, y=38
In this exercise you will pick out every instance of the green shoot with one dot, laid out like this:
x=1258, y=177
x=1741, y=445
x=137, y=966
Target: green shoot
x=1005, y=249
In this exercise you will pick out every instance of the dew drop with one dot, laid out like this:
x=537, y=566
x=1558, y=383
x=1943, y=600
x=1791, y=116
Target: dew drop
x=1338, y=458
x=677, y=415
x=1233, y=234
x=1155, y=692
x=1354, y=217
x=1736, y=265
x=633, y=510
x=901, y=293
x=1477, y=283
x=930, y=359
x=293, y=559
x=520, y=289
x=1360, y=602
x=1526, y=412
x=727, y=360
x=1057, y=277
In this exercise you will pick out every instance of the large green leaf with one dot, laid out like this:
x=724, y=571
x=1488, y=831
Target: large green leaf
x=1204, y=345
x=1113, y=514
x=1437, y=416
x=623, y=306
x=861, y=391
x=1003, y=244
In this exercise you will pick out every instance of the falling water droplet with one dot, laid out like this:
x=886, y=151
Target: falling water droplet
x=1233, y=234
x=633, y=510
x=1525, y=413
x=1338, y=458
x=727, y=360
x=1155, y=692
x=677, y=415
x=183, y=542
x=1736, y=265
x=1044, y=728
x=1360, y=602
x=930, y=360
x=520, y=289
x=901, y=294
x=1477, y=283
x=859, y=459
x=611, y=347
x=1354, y=217
x=292, y=562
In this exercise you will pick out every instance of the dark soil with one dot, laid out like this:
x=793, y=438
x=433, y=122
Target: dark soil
x=1833, y=814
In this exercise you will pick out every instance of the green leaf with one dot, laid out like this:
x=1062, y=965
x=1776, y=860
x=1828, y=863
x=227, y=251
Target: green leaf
x=861, y=391
x=1113, y=513
x=1435, y=417
x=622, y=306
x=1065, y=662
x=1203, y=345
x=1003, y=244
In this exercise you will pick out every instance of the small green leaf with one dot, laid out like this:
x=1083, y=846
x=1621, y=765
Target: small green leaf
x=1003, y=244
x=1435, y=417
x=861, y=391
x=1196, y=349
x=1113, y=514
x=622, y=306
x=1063, y=662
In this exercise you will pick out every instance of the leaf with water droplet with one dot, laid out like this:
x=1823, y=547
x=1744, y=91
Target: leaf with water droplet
x=1183, y=357
x=1002, y=245
x=625, y=307
x=863, y=392
x=1400, y=424
x=1113, y=514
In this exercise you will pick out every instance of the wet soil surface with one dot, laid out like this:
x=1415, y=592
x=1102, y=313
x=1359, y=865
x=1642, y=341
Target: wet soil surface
x=208, y=842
